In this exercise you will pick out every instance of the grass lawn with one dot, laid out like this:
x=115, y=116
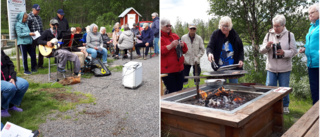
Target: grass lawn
x=43, y=99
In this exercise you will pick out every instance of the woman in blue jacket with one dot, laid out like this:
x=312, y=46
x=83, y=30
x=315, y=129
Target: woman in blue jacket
x=25, y=42
x=311, y=49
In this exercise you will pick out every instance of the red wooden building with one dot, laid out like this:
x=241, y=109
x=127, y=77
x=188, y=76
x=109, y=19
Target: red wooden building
x=129, y=16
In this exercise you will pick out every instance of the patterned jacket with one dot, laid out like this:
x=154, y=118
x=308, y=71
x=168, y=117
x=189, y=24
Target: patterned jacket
x=35, y=23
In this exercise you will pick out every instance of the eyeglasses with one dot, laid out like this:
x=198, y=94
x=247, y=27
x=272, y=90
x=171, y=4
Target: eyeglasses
x=225, y=26
x=277, y=26
x=193, y=29
x=312, y=12
x=168, y=26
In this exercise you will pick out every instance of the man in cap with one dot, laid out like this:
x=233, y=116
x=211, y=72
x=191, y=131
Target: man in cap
x=63, y=55
x=135, y=29
x=194, y=53
x=147, y=40
x=35, y=24
x=63, y=22
x=155, y=29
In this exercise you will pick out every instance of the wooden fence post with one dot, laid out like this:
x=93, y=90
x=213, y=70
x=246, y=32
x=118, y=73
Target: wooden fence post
x=17, y=55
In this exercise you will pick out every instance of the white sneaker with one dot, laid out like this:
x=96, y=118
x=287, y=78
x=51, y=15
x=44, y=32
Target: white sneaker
x=106, y=65
x=286, y=110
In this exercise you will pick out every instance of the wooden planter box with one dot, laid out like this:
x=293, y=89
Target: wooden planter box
x=259, y=118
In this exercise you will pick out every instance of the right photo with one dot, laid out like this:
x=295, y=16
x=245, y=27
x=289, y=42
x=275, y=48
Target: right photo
x=239, y=68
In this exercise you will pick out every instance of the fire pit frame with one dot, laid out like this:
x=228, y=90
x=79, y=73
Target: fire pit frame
x=260, y=118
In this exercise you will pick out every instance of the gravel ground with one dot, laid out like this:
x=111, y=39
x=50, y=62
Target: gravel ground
x=118, y=111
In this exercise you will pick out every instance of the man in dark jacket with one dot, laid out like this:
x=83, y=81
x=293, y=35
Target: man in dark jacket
x=63, y=22
x=63, y=55
x=147, y=40
x=155, y=29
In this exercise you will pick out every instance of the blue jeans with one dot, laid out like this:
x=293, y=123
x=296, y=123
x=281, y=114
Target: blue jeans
x=13, y=94
x=283, y=78
x=233, y=80
x=314, y=83
x=156, y=45
x=94, y=52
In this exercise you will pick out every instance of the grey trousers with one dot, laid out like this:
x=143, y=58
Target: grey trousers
x=65, y=55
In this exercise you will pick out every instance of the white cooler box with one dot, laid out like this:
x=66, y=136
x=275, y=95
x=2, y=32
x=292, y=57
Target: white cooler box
x=132, y=74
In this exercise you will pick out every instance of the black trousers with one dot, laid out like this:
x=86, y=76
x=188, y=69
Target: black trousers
x=173, y=82
x=40, y=57
x=186, y=71
x=25, y=50
x=117, y=50
x=143, y=45
x=314, y=83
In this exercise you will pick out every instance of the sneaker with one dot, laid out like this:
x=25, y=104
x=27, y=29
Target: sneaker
x=76, y=73
x=125, y=56
x=106, y=64
x=116, y=57
x=154, y=54
x=145, y=58
x=40, y=67
x=286, y=110
x=35, y=70
x=14, y=108
x=27, y=73
x=61, y=70
x=5, y=113
x=36, y=133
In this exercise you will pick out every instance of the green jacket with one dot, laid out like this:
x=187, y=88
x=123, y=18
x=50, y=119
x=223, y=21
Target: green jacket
x=22, y=31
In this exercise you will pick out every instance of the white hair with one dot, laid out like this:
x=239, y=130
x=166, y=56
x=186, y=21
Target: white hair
x=73, y=29
x=279, y=19
x=88, y=29
x=315, y=6
x=102, y=28
x=154, y=14
x=225, y=20
x=116, y=26
x=164, y=22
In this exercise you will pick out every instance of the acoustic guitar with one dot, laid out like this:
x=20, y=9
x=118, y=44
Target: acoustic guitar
x=46, y=50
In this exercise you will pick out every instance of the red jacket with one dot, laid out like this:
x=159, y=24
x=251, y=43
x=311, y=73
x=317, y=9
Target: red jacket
x=169, y=59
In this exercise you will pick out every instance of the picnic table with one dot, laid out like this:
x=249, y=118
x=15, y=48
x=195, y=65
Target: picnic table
x=307, y=125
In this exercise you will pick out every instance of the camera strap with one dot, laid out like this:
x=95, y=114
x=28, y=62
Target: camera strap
x=289, y=38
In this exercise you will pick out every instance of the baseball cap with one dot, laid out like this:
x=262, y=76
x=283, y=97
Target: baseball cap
x=192, y=26
x=60, y=11
x=36, y=6
x=145, y=25
x=54, y=21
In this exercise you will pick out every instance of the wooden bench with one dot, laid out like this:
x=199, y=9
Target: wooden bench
x=307, y=125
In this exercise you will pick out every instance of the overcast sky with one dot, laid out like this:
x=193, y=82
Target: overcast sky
x=186, y=10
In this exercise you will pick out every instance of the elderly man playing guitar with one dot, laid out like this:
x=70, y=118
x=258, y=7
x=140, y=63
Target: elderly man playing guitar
x=47, y=40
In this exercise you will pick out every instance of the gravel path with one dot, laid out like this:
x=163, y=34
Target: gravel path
x=118, y=111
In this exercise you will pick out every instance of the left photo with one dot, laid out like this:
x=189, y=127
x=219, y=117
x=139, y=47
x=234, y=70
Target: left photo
x=79, y=68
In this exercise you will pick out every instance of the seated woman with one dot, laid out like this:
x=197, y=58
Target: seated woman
x=13, y=88
x=79, y=50
x=115, y=38
x=125, y=41
x=95, y=44
x=107, y=42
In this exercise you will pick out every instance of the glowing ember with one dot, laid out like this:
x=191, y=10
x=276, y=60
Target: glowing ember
x=203, y=94
x=237, y=99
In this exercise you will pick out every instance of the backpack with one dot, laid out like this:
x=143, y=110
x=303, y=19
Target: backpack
x=99, y=69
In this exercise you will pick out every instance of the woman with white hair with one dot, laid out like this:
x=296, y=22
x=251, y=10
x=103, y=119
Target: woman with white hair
x=95, y=44
x=311, y=49
x=171, y=64
x=107, y=43
x=225, y=46
x=280, y=46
